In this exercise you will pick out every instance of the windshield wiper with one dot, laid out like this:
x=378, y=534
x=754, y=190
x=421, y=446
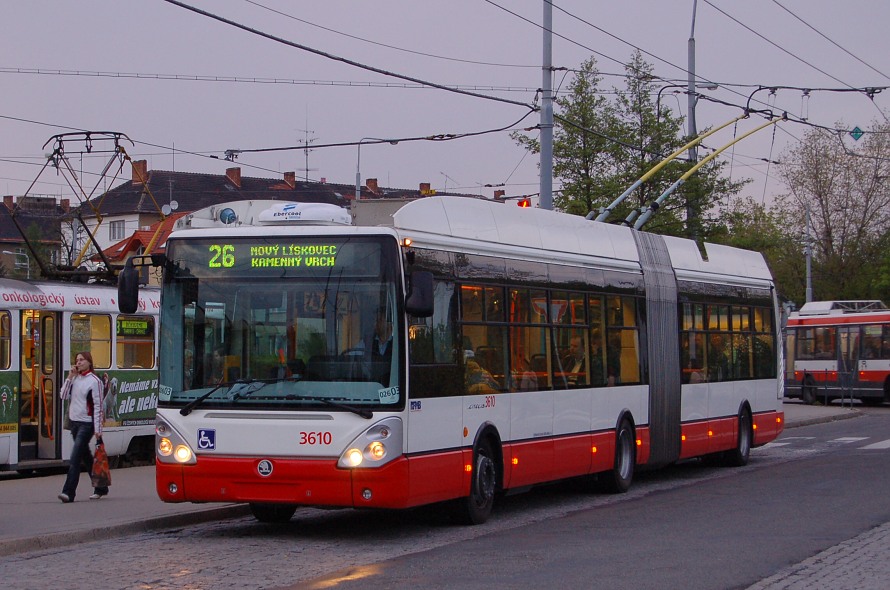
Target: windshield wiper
x=187, y=409
x=363, y=412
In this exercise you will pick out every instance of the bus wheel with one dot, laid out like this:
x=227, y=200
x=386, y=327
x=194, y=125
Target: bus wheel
x=618, y=480
x=476, y=508
x=738, y=457
x=273, y=513
x=808, y=391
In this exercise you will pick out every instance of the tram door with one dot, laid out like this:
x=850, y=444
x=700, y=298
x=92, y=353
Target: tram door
x=40, y=425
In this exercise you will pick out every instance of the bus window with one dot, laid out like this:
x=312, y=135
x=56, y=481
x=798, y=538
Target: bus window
x=135, y=342
x=622, y=341
x=92, y=333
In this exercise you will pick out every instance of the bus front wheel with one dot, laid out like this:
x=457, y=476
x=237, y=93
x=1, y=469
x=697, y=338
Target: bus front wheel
x=476, y=508
x=272, y=513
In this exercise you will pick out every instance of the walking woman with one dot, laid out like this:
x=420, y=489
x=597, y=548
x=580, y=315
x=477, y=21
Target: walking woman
x=84, y=391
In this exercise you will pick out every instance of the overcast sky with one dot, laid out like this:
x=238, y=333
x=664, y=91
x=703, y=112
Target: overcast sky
x=145, y=69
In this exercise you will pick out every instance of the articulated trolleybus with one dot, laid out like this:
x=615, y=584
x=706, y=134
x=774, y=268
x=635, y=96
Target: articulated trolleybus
x=465, y=350
x=43, y=325
x=837, y=350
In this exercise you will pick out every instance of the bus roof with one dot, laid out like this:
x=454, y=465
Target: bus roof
x=497, y=225
x=841, y=307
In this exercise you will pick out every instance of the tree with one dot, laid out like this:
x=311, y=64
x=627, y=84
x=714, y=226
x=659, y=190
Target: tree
x=846, y=192
x=747, y=224
x=602, y=146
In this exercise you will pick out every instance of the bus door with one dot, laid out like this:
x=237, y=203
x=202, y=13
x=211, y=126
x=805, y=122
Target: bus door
x=848, y=359
x=40, y=425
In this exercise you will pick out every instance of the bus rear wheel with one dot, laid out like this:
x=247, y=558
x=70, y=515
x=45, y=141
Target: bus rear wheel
x=272, y=513
x=618, y=480
x=477, y=506
x=738, y=457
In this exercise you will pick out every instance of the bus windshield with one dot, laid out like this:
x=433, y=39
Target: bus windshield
x=281, y=322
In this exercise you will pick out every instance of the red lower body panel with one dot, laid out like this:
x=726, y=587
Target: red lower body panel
x=721, y=434
x=425, y=479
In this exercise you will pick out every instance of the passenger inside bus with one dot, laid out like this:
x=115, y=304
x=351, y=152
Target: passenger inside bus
x=573, y=363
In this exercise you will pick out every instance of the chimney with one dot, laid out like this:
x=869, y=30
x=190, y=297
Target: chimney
x=140, y=171
x=9, y=202
x=424, y=188
x=65, y=204
x=234, y=176
x=498, y=195
x=291, y=179
x=371, y=183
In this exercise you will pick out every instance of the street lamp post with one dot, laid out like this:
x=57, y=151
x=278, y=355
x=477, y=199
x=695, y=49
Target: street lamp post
x=358, y=161
x=27, y=260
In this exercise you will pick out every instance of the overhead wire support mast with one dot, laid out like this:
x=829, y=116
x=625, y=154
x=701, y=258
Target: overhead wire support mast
x=607, y=211
x=647, y=212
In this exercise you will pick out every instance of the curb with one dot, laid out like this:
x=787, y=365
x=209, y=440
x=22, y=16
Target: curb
x=55, y=540
x=851, y=413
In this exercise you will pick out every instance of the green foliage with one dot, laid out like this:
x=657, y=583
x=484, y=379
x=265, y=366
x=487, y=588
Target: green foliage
x=602, y=145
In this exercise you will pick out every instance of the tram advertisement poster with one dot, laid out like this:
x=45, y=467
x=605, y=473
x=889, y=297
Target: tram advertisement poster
x=9, y=402
x=132, y=397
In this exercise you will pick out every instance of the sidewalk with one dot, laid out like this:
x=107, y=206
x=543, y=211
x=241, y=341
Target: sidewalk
x=33, y=518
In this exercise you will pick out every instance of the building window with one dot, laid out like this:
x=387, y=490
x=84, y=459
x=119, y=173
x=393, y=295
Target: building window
x=116, y=230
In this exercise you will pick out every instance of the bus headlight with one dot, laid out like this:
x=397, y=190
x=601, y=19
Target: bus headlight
x=165, y=447
x=170, y=446
x=354, y=457
x=183, y=454
x=376, y=446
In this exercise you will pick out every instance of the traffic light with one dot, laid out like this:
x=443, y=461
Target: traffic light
x=524, y=202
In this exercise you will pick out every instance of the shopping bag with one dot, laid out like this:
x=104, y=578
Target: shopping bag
x=101, y=474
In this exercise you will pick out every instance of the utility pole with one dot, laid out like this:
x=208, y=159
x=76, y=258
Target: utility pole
x=546, y=199
x=809, y=257
x=691, y=214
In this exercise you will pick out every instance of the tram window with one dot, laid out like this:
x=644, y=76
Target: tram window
x=135, y=342
x=5, y=340
x=48, y=344
x=92, y=333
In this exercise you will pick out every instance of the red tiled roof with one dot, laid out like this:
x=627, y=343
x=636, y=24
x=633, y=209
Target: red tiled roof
x=141, y=238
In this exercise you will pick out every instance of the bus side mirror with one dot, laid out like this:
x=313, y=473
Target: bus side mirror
x=419, y=301
x=128, y=288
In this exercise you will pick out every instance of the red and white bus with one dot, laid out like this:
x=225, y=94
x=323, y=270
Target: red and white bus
x=527, y=346
x=839, y=349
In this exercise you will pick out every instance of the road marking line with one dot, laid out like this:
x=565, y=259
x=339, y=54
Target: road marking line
x=884, y=444
x=850, y=439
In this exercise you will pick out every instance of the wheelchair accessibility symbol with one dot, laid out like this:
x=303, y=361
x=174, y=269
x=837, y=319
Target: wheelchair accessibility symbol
x=206, y=439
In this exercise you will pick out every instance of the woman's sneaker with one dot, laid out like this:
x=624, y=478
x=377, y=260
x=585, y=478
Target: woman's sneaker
x=96, y=496
x=64, y=498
